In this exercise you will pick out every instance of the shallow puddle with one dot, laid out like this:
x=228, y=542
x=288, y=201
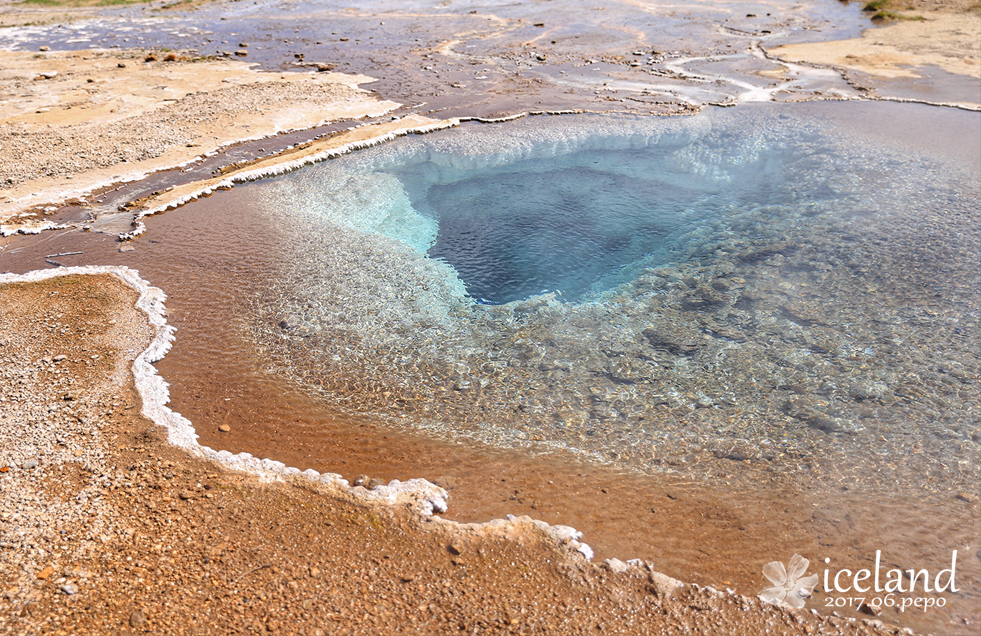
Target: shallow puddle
x=780, y=362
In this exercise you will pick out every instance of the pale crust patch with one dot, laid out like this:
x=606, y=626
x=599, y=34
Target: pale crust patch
x=951, y=41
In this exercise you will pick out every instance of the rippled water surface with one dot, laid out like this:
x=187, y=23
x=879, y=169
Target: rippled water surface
x=671, y=294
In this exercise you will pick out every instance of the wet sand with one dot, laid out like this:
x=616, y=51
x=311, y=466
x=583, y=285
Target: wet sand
x=150, y=538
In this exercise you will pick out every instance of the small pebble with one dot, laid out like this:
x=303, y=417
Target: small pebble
x=224, y=428
x=69, y=589
x=137, y=618
x=29, y=464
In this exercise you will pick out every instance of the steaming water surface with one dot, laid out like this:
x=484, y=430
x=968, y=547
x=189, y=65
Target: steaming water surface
x=671, y=294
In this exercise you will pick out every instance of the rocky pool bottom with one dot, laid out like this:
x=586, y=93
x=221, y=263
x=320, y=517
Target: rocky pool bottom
x=811, y=307
x=712, y=515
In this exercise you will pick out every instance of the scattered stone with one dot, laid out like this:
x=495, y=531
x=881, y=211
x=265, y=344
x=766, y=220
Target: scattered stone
x=664, y=584
x=60, y=358
x=455, y=547
x=185, y=496
x=121, y=65
x=314, y=572
x=865, y=608
x=69, y=589
x=44, y=48
x=241, y=53
x=968, y=497
x=47, y=75
x=244, y=45
x=29, y=464
x=375, y=483
x=225, y=428
x=171, y=57
x=616, y=566
x=46, y=573
x=361, y=480
x=150, y=58
x=137, y=618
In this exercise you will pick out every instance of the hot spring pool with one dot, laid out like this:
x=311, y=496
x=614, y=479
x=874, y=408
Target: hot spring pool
x=669, y=294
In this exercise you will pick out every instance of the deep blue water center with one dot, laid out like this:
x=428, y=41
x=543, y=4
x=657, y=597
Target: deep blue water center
x=578, y=210
x=515, y=235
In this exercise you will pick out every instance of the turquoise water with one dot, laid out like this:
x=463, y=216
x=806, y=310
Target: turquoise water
x=671, y=294
x=577, y=225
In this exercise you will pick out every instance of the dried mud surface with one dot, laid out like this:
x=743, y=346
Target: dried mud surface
x=107, y=529
x=950, y=41
x=85, y=120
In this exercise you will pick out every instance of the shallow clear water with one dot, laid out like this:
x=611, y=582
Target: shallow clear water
x=736, y=286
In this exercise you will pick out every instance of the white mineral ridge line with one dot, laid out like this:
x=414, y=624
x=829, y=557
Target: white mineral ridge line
x=424, y=498
x=285, y=167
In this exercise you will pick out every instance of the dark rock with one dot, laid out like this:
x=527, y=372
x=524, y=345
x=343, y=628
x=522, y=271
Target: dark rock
x=672, y=340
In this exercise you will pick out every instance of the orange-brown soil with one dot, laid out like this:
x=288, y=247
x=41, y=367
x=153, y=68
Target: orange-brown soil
x=115, y=531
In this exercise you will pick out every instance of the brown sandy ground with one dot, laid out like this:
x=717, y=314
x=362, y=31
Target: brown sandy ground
x=115, y=531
